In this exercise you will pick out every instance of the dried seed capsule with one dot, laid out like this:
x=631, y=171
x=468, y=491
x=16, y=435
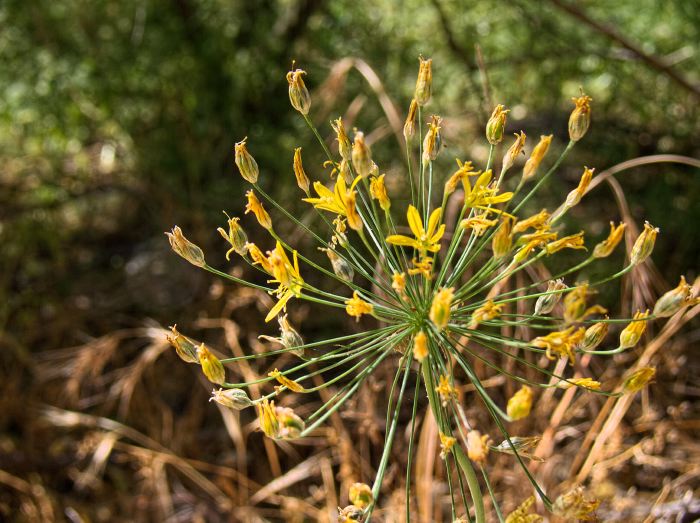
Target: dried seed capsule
x=361, y=155
x=236, y=399
x=594, y=335
x=212, y=368
x=545, y=304
x=341, y=268
x=573, y=506
x=298, y=93
x=185, y=248
x=236, y=236
x=644, y=245
x=580, y=117
x=424, y=82
x=245, y=162
x=674, y=300
x=496, y=124
x=184, y=346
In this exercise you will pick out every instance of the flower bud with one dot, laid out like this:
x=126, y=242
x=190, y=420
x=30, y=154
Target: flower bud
x=360, y=495
x=631, y=334
x=440, y=308
x=409, y=127
x=344, y=145
x=212, y=368
x=286, y=382
x=341, y=267
x=236, y=399
x=536, y=157
x=503, y=238
x=580, y=117
x=298, y=93
x=398, y=282
x=477, y=446
x=420, y=346
x=245, y=162
x=546, y=303
x=644, y=245
x=377, y=190
x=302, y=179
x=236, y=236
x=433, y=140
x=637, y=380
x=356, y=306
x=496, y=124
x=361, y=155
x=674, y=300
x=424, y=81
x=258, y=210
x=185, y=248
x=513, y=151
x=184, y=346
x=520, y=404
x=594, y=336
x=607, y=246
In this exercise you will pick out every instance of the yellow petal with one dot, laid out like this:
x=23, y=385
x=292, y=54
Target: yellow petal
x=414, y=221
x=433, y=221
x=399, y=239
x=274, y=311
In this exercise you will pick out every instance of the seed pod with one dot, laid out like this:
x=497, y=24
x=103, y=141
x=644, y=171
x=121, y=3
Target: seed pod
x=212, y=368
x=236, y=236
x=545, y=304
x=341, y=267
x=409, y=127
x=184, y=346
x=644, y=245
x=298, y=93
x=674, y=300
x=360, y=495
x=496, y=124
x=361, y=155
x=594, y=336
x=290, y=338
x=236, y=399
x=424, y=82
x=638, y=379
x=245, y=162
x=631, y=334
x=185, y=248
x=520, y=404
x=580, y=117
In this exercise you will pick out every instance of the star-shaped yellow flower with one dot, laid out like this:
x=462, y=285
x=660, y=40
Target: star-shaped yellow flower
x=425, y=240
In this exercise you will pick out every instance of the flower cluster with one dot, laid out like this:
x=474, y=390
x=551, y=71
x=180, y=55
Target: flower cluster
x=436, y=297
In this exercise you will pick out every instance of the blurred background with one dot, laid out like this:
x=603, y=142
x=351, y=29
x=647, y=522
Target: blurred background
x=117, y=121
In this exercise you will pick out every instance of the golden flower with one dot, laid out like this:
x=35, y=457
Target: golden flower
x=420, y=346
x=465, y=169
x=503, y=238
x=424, y=240
x=360, y=495
x=594, y=336
x=477, y=446
x=332, y=201
x=575, y=196
x=302, y=179
x=486, y=312
x=288, y=277
x=361, y=155
x=377, y=190
x=481, y=194
x=520, y=404
x=562, y=343
x=580, y=117
x=398, y=282
x=341, y=267
x=575, y=241
x=546, y=303
x=513, y=152
x=184, y=346
x=433, y=140
x=440, y=308
x=424, y=81
x=631, y=334
x=536, y=157
x=573, y=506
x=638, y=379
x=423, y=266
x=520, y=514
x=496, y=124
x=674, y=300
x=185, y=248
x=344, y=145
x=245, y=162
x=446, y=444
x=479, y=224
x=539, y=221
x=258, y=210
x=212, y=368
x=356, y=306
x=354, y=219
x=236, y=399
x=445, y=390
x=298, y=93
x=644, y=245
x=286, y=382
x=575, y=305
x=607, y=246
x=236, y=236
x=258, y=257
x=586, y=383
x=409, y=127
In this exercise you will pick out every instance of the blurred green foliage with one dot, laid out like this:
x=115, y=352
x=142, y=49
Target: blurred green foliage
x=117, y=120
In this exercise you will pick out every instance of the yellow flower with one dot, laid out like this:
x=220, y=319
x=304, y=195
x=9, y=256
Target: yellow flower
x=580, y=117
x=496, y=124
x=236, y=236
x=536, y=157
x=513, y=152
x=409, y=127
x=486, y=312
x=445, y=390
x=481, y=195
x=606, y=247
x=446, y=444
x=258, y=210
x=283, y=380
x=674, y=300
x=575, y=196
x=433, y=140
x=344, y=145
x=377, y=190
x=258, y=257
x=398, y=282
x=575, y=305
x=288, y=277
x=575, y=241
x=539, y=221
x=479, y=224
x=503, y=239
x=340, y=201
x=423, y=266
x=360, y=495
x=245, y=162
x=440, y=308
x=298, y=93
x=586, y=383
x=185, y=248
x=520, y=404
x=302, y=179
x=425, y=240
x=562, y=343
x=361, y=155
x=424, y=81
x=631, y=334
x=212, y=368
x=420, y=346
x=464, y=169
x=573, y=506
x=638, y=379
x=478, y=446
x=520, y=514
x=356, y=306
x=644, y=245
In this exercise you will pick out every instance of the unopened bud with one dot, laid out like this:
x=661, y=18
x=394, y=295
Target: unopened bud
x=496, y=124
x=580, y=117
x=258, y=210
x=420, y=346
x=212, y=368
x=298, y=93
x=607, y=246
x=520, y=404
x=440, y=308
x=361, y=155
x=185, y=248
x=538, y=153
x=503, y=238
x=594, y=335
x=631, y=334
x=639, y=379
x=245, y=162
x=644, y=245
x=546, y=303
x=377, y=190
x=424, y=82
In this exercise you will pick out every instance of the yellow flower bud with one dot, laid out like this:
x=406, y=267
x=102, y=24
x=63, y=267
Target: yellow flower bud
x=183, y=345
x=236, y=236
x=638, y=379
x=302, y=179
x=185, y=248
x=356, y=306
x=538, y=153
x=580, y=117
x=546, y=303
x=574, y=241
x=520, y=404
x=477, y=446
x=539, y=222
x=298, y=93
x=496, y=124
x=361, y=155
x=594, y=335
x=424, y=81
x=631, y=334
x=360, y=495
x=212, y=368
x=513, y=151
x=258, y=210
x=344, y=145
x=586, y=383
x=409, y=127
x=644, y=245
x=377, y=190
x=245, y=162
x=607, y=246
x=503, y=239
x=236, y=399
x=674, y=300
x=433, y=140
x=440, y=308
x=420, y=346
